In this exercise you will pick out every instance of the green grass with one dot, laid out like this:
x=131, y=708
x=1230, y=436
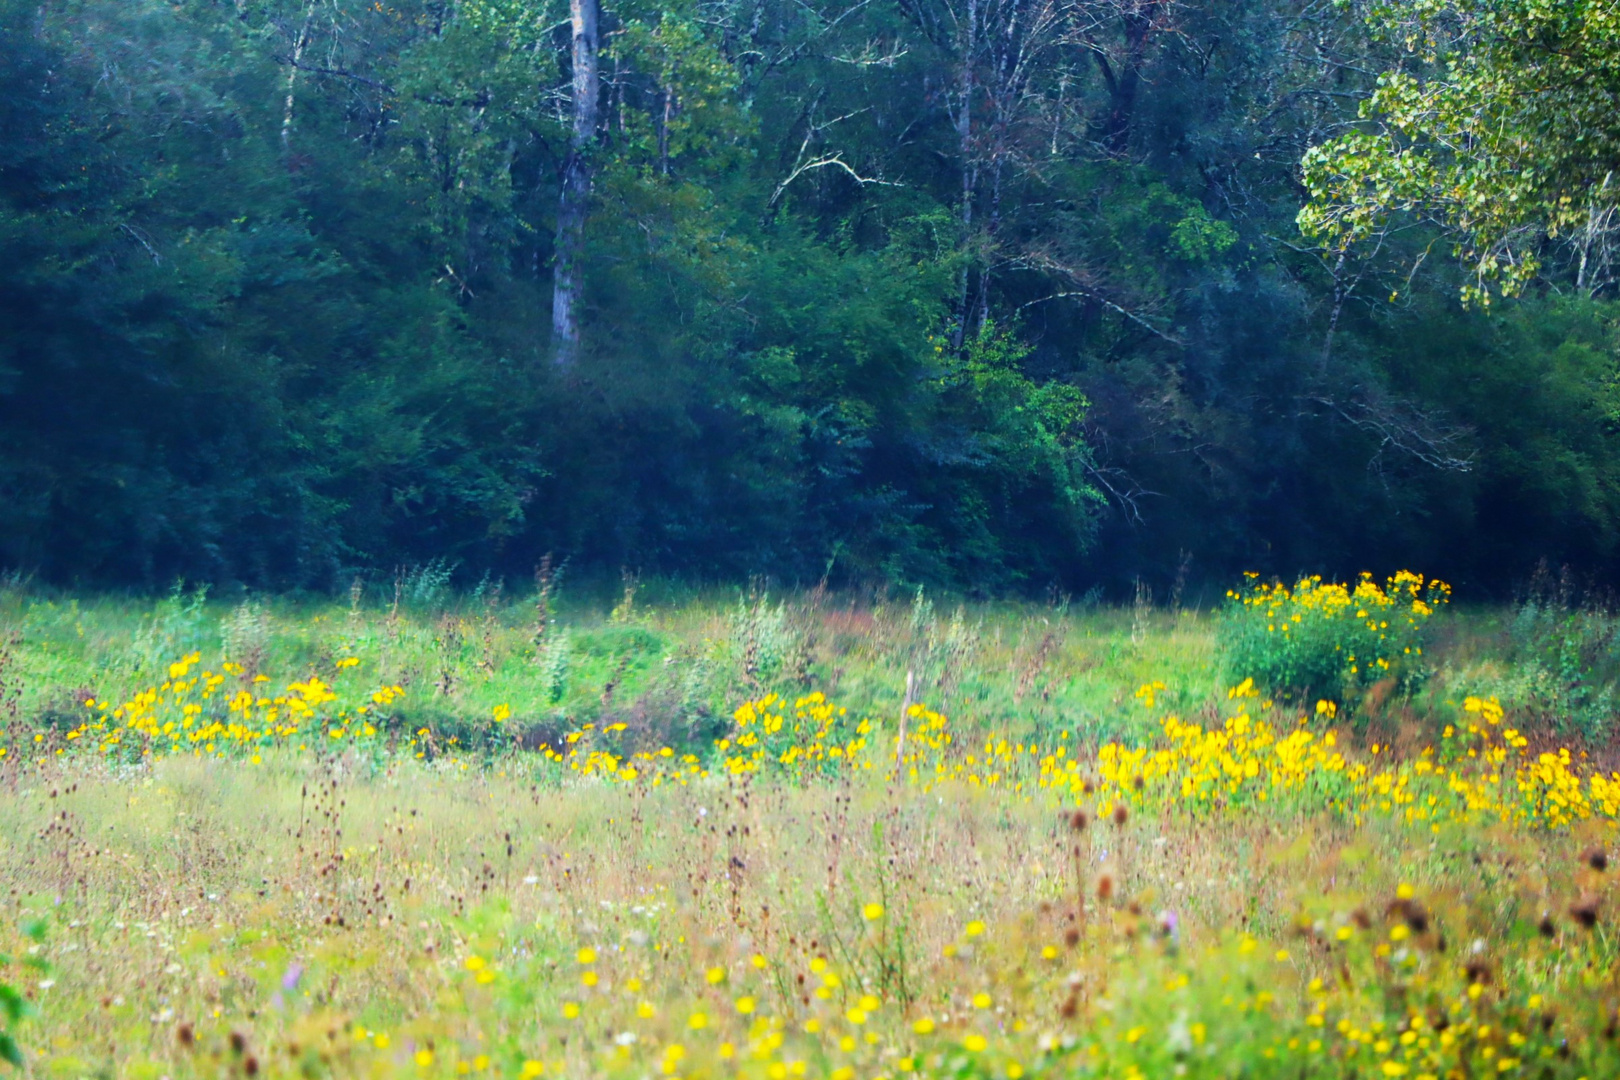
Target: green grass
x=674, y=673
x=352, y=910
x=675, y=662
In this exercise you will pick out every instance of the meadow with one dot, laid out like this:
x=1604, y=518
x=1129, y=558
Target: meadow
x=653, y=832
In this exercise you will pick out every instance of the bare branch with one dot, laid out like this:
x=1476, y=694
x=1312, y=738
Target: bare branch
x=138, y=236
x=1122, y=488
x=1403, y=427
x=833, y=161
x=1078, y=285
x=337, y=73
x=869, y=60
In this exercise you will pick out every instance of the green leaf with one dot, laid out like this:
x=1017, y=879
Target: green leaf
x=12, y=1003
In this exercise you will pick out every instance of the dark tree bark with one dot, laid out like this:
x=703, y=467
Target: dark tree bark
x=574, y=202
x=1139, y=22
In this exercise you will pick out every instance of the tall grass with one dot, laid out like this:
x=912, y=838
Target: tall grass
x=1221, y=891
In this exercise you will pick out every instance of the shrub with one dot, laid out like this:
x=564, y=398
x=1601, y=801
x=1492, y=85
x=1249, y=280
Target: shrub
x=1567, y=650
x=1328, y=639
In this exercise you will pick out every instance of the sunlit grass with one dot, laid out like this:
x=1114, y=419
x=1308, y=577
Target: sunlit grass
x=586, y=887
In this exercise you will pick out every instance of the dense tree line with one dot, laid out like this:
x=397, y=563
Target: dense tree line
x=1000, y=294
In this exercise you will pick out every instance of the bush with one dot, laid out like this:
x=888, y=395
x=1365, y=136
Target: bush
x=1326, y=639
x=1565, y=649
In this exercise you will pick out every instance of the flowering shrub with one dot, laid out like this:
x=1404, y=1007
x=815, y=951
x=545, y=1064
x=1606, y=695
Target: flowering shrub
x=1329, y=640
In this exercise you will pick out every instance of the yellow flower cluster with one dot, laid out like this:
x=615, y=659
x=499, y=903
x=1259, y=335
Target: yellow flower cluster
x=188, y=712
x=1403, y=595
x=583, y=755
x=804, y=737
x=1329, y=635
x=1482, y=772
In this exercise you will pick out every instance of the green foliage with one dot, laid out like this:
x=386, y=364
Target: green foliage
x=275, y=290
x=14, y=1007
x=1499, y=123
x=1556, y=660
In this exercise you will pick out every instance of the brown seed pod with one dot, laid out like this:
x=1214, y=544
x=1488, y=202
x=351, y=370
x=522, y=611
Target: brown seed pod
x=1410, y=912
x=1597, y=859
x=1585, y=911
x=186, y=1035
x=1078, y=821
x=1105, y=887
x=1547, y=927
x=1071, y=937
x=1121, y=815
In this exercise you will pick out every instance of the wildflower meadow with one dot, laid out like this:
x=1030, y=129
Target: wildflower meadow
x=1321, y=830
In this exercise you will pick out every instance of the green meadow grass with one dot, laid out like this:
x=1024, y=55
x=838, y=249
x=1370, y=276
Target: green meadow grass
x=358, y=911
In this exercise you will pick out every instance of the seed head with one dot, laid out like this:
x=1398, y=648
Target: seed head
x=1585, y=911
x=1411, y=912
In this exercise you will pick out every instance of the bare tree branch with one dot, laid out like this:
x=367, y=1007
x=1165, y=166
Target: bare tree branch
x=139, y=237
x=832, y=160
x=1078, y=285
x=1122, y=488
x=1403, y=427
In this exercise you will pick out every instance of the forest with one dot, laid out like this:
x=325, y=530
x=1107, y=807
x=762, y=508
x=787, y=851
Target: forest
x=1001, y=296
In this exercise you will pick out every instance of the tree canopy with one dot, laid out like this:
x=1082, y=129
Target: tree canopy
x=1498, y=123
x=1003, y=294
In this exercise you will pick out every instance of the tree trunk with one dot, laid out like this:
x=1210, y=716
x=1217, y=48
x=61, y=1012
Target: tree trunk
x=576, y=185
x=968, y=46
x=1137, y=27
x=292, y=80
